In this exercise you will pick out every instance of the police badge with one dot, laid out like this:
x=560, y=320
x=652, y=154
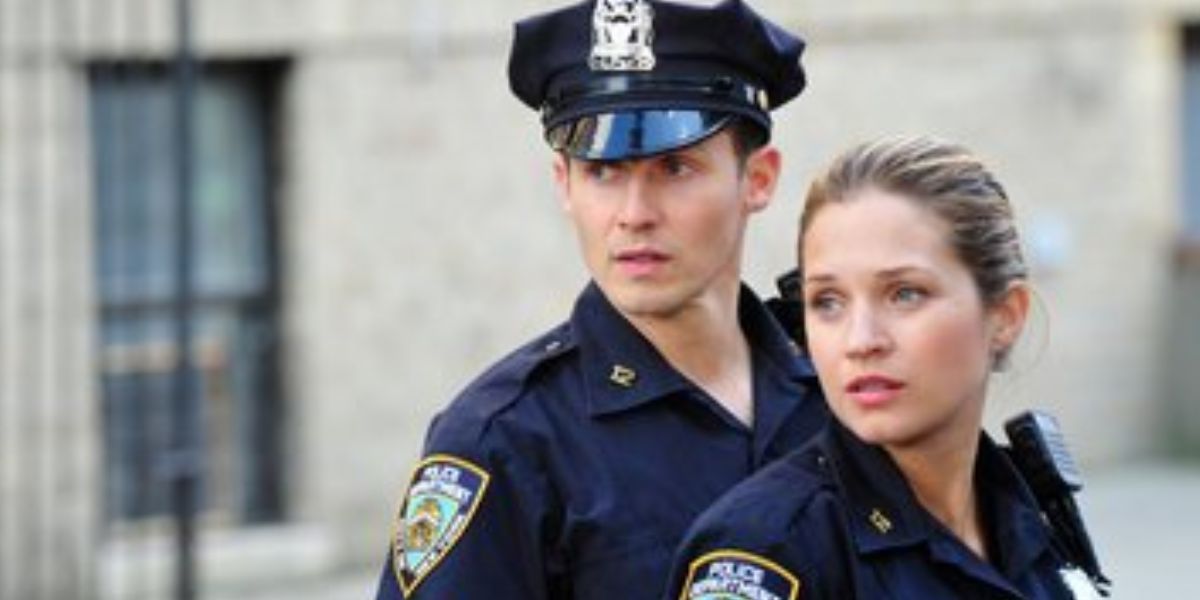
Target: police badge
x=622, y=32
x=1077, y=581
x=737, y=575
x=441, y=500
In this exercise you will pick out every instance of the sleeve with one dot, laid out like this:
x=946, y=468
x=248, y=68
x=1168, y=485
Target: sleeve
x=470, y=524
x=726, y=556
x=764, y=539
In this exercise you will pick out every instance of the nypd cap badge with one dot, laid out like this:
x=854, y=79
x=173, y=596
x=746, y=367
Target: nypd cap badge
x=737, y=575
x=442, y=498
x=622, y=34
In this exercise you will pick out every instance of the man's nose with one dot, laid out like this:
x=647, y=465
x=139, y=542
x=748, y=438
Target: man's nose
x=638, y=208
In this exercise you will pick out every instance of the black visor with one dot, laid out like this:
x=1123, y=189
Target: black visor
x=635, y=133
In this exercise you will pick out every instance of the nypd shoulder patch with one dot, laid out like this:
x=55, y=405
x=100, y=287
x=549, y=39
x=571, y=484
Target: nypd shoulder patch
x=737, y=575
x=442, y=497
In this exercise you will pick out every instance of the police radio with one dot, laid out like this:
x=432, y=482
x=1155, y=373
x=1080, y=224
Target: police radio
x=1040, y=453
x=788, y=306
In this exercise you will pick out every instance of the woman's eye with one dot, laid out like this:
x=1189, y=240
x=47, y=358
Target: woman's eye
x=824, y=304
x=908, y=295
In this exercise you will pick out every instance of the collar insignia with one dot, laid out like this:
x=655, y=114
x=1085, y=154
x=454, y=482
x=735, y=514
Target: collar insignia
x=623, y=376
x=880, y=521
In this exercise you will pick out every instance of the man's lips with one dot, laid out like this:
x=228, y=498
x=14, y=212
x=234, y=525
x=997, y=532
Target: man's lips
x=873, y=390
x=640, y=255
x=641, y=261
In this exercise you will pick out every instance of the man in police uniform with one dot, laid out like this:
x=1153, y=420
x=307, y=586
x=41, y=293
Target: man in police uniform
x=572, y=467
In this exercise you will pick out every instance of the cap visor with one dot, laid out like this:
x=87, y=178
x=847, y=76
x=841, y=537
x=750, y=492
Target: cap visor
x=633, y=134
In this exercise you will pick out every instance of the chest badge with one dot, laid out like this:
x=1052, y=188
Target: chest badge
x=1078, y=583
x=442, y=498
x=622, y=34
x=738, y=575
x=623, y=376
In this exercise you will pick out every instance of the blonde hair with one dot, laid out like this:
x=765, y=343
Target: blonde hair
x=948, y=180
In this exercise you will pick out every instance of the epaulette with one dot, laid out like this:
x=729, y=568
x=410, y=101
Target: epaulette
x=502, y=383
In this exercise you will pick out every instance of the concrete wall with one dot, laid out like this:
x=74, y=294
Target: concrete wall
x=49, y=484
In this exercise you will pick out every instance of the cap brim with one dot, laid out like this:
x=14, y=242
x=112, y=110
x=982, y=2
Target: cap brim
x=629, y=134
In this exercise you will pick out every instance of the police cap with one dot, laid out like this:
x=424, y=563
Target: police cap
x=617, y=79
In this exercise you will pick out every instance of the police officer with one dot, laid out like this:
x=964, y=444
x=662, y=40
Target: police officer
x=914, y=290
x=572, y=467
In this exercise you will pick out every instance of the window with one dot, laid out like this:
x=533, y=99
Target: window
x=239, y=408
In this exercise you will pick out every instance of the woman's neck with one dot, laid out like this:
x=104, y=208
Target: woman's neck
x=942, y=477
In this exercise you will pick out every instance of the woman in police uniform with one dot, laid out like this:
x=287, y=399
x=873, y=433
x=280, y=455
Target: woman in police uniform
x=915, y=290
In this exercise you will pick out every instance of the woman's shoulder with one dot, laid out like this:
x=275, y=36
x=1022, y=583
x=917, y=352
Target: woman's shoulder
x=769, y=535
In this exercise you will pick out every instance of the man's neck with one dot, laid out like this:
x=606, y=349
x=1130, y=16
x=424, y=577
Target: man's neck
x=706, y=344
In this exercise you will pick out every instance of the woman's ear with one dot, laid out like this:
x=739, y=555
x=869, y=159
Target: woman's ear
x=1007, y=316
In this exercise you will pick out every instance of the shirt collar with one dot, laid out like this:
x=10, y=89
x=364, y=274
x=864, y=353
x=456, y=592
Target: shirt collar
x=1018, y=532
x=882, y=509
x=884, y=513
x=623, y=370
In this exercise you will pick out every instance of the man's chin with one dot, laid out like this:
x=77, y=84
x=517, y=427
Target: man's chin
x=645, y=303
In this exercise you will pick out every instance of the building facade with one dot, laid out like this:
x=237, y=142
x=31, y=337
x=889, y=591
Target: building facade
x=375, y=223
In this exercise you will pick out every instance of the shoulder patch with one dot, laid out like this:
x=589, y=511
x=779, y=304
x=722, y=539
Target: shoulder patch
x=442, y=497
x=737, y=575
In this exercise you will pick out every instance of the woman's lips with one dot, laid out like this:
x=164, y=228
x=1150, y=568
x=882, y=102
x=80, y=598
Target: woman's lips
x=873, y=390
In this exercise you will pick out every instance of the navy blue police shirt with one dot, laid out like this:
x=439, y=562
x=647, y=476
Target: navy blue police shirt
x=572, y=468
x=837, y=519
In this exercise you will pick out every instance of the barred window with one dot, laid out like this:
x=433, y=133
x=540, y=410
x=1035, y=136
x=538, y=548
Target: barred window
x=239, y=407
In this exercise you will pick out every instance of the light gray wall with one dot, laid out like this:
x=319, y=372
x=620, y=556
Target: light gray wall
x=49, y=484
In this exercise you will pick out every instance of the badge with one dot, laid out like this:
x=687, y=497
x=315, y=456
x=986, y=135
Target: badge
x=622, y=32
x=441, y=500
x=1078, y=582
x=734, y=575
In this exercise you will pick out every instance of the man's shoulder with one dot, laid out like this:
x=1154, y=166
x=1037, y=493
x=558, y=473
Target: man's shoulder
x=503, y=386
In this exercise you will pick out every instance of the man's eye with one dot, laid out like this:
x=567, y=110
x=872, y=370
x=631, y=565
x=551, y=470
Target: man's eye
x=600, y=171
x=675, y=166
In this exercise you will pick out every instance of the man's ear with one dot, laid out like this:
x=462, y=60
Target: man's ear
x=562, y=180
x=761, y=175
